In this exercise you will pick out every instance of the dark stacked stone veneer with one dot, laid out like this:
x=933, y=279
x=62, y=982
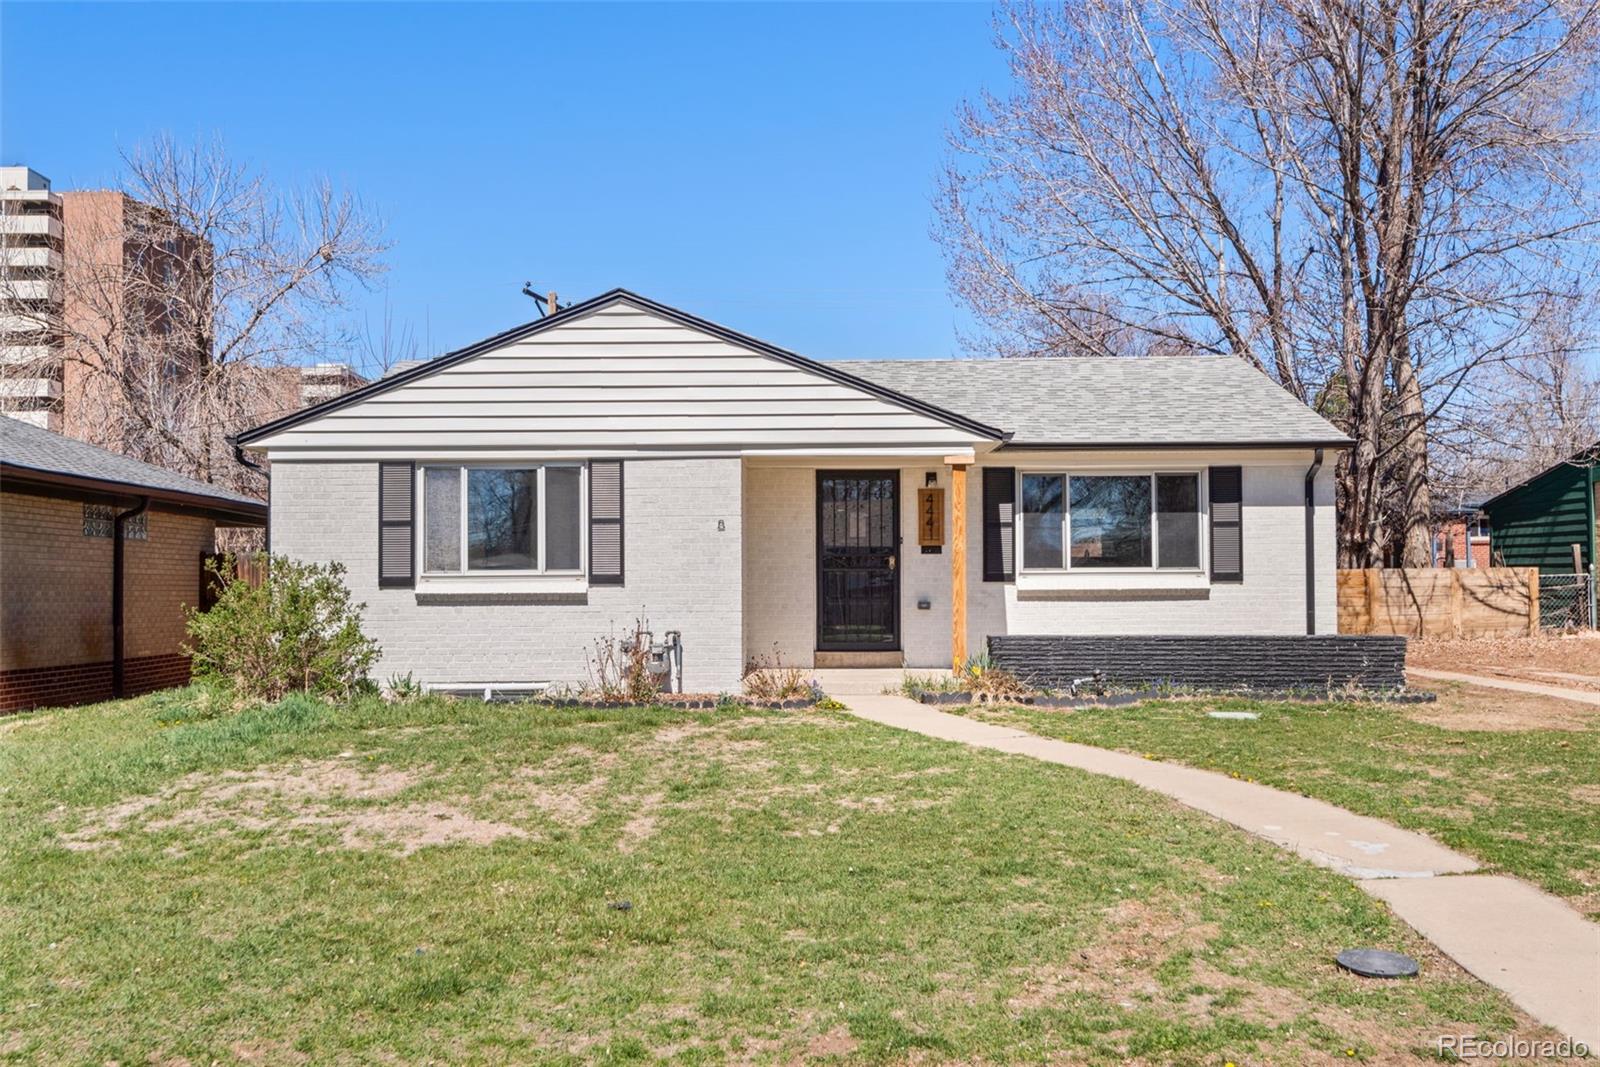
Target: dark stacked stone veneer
x=1326, y=661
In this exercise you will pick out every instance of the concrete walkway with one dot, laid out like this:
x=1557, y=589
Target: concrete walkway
x=1540, y=952
x=1581, y=696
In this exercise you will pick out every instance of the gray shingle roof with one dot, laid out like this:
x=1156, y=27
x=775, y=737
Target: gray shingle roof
x=27, y=446
x=1110, y=401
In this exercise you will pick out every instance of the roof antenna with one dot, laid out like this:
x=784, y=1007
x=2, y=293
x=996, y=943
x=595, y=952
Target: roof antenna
x=547, y=301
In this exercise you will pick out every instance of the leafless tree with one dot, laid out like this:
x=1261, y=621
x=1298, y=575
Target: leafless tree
x=383, y=346
x=1530, y=414
x=187, y=306
x=1369, y=200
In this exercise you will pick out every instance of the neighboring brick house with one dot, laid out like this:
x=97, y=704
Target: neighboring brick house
x=1461, y=538
x=66, y=636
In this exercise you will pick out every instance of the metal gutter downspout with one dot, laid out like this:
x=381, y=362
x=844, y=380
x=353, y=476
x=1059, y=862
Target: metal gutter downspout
x=118, y=682
x=245, y=460
x=1311, y=543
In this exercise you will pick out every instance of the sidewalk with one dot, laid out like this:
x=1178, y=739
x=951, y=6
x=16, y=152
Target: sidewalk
x=1582, y=696
x=1532, y=946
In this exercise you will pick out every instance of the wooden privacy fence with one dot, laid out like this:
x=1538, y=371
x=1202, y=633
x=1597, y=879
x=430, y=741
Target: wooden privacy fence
x=251, y=569
x=1440, y=601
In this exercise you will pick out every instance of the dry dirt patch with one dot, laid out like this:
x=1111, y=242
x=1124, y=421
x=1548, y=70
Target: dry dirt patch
x=1571, y=660
x=357, y=804
x=704, y=742
x=642, y=826
x=1138, y=937
x=22, y=721
x=365, y=806
x=836, y=1042
x=1475, y=707
x=1120, y=962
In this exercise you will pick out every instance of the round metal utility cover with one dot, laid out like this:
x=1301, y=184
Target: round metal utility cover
x=1376, y=963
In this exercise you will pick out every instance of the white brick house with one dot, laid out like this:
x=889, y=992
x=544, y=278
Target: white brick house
x=501, y=507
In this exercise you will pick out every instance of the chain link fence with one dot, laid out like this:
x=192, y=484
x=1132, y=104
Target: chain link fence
x=1566, y=601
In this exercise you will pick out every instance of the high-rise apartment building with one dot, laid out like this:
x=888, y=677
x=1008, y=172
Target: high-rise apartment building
x=32, y=267
x=100, y=297
x=88, y=281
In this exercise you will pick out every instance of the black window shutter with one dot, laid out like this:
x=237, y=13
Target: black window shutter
x=999, y=524
x=1227, y=524
x=397, y=483
x=605, y=522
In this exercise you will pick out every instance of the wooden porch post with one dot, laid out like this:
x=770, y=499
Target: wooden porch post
x=958, y=565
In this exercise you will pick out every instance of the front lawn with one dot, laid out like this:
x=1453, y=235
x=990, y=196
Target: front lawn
x=453, y=881
x=1510, y=779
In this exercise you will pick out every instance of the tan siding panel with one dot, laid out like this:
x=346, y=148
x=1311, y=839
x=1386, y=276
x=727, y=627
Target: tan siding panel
x=411, y=441
x=580, y=333
x=533, y=374
x=582, y=348
x=619, y=378
x=561, y=422
x=623, y=362
x=555, y=407
x=517, y=391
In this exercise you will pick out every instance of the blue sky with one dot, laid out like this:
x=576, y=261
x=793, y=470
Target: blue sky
x=770, y=167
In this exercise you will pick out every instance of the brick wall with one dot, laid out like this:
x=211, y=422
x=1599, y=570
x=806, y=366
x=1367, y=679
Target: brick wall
x=163, y=576
x=683, y=573
x=55, y=597
x=1270, y=600
x=780, y=564
x=55, y=583
x=42, y=687
x=1450, y=546
x=1256, y=662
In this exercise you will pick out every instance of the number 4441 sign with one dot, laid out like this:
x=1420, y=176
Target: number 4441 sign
x=930, y=520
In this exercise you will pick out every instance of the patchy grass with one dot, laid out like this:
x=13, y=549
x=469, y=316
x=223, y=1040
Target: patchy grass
x=939, y=682
x=1512, y=780
x=470, y=883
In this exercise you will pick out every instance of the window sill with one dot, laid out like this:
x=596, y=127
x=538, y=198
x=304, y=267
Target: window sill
x=1114, y=582
x=472, y=585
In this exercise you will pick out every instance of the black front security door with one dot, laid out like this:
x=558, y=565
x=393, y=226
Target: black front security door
x=858, y=565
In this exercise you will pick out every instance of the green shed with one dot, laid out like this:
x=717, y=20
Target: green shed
x=1536, y=523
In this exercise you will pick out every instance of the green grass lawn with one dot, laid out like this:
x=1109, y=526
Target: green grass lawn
x=442, y=880
x=1525, y=801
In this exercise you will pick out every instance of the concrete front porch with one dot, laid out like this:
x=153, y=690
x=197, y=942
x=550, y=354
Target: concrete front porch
x=849, y=682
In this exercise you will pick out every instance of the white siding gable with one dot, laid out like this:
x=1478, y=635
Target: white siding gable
x=618, y=379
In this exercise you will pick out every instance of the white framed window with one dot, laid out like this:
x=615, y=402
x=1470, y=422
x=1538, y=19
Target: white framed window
x=503, y=519
x=1111, y=521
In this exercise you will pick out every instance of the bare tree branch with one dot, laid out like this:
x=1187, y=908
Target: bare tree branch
x=1375, y=201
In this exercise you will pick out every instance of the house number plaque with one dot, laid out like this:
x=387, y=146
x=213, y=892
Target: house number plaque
x=930, y=520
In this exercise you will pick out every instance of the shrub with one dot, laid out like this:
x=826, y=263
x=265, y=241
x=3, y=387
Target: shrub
x=988, y=683
x=913, y=684
x=619, y=668
x=769, y=678
x=295, y=632
x=402, y=689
